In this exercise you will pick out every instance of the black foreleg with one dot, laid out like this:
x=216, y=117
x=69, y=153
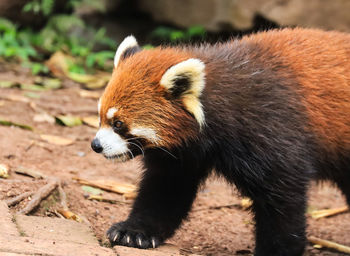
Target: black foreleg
x=166, y=193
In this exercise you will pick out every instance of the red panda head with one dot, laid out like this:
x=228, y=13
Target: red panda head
x=152, y=100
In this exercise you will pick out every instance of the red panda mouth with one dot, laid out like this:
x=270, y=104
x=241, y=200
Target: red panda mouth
x=120, y=158
x=124, y=156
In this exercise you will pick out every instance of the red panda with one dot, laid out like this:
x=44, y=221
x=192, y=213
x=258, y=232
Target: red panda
x=268, y=112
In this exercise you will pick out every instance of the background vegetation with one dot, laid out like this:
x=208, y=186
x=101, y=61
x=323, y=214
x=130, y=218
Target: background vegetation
x=86, y=49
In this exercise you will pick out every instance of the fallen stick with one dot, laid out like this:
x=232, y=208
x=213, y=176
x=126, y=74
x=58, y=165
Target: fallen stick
x=42, y=193
x=69, y=215
x=30, y=172
x=329, y=244
x=17, y=199
x=105, y=199
x=20, y=181
x=31, y=144
x=119, y=188
x=63, y=197
x=131, y=195
x=64, y=211
x=328, y=212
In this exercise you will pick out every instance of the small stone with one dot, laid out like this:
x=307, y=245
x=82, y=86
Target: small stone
x=81, y=153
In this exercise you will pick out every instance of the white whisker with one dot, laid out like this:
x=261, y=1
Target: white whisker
x=131, y=154
x=138, y=147
x=167, y=152
x=136, y=137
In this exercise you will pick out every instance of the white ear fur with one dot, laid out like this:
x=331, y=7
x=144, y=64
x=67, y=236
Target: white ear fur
x=127, y=43
x=194, y=70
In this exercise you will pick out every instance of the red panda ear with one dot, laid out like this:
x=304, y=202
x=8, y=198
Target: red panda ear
x=186, y=80
x=127, y=48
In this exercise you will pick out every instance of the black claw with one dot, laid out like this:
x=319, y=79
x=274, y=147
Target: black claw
x=119, y=234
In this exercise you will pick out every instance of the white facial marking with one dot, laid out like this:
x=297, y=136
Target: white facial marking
x=128, y=42
x=147, y=133
x=111, y=112
x=113, y=145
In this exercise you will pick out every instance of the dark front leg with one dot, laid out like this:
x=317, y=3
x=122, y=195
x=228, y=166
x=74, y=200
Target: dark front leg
x=280, y=225
x=165, y=196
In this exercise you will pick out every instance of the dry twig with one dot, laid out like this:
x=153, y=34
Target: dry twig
x=64, y=211
x=105, y=199
x=63, y=197
x=42, y=193
x=129, y=196
x=17, y=199
x=30, y=172
x=328, y=212
x=329, y=244
x=69, y=215
x=108, y=185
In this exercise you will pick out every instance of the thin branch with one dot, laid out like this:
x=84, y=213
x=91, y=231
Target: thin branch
x=329, y=244
x=30, y=172
x=105, y=199
x=328, y=212
x=41, y=194
x=17, y=199
x=63, y=197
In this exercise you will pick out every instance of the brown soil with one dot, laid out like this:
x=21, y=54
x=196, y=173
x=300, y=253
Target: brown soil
x=208, y=230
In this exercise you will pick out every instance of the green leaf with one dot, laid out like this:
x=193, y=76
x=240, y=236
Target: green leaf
x=76, y=68
x=37, y=68
x=99, y=58
x=10, y=52
x=52, y=83
x=177, y=35
x=64, y=23
x=147, y=47
x=68, y=120
x=32, y=95
x=27, y=7
x=36, y=7
x=91, y=190
x=10, y=123
x=81, y=51
x=162, y=32
x=32, y=87
x=8, y=84
x=196, y=31
x=6, y=25
x=47, y=6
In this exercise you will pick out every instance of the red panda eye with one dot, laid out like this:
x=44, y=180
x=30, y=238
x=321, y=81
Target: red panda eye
x=117, y=125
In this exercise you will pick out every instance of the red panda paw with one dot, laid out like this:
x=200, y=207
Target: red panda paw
x=121, y=234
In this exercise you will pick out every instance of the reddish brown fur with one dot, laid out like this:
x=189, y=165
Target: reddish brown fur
x=137, y=77
x=276, y=108
x=326, y=89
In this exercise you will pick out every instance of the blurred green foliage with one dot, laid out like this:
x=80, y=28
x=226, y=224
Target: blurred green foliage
x=175, y=35
x=62, y=32
x=68, y=33
x=44, y=6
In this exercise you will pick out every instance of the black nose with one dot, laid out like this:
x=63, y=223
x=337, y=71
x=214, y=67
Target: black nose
x=96, y=145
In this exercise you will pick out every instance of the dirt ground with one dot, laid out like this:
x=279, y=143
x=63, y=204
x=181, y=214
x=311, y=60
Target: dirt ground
x=209, y=230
